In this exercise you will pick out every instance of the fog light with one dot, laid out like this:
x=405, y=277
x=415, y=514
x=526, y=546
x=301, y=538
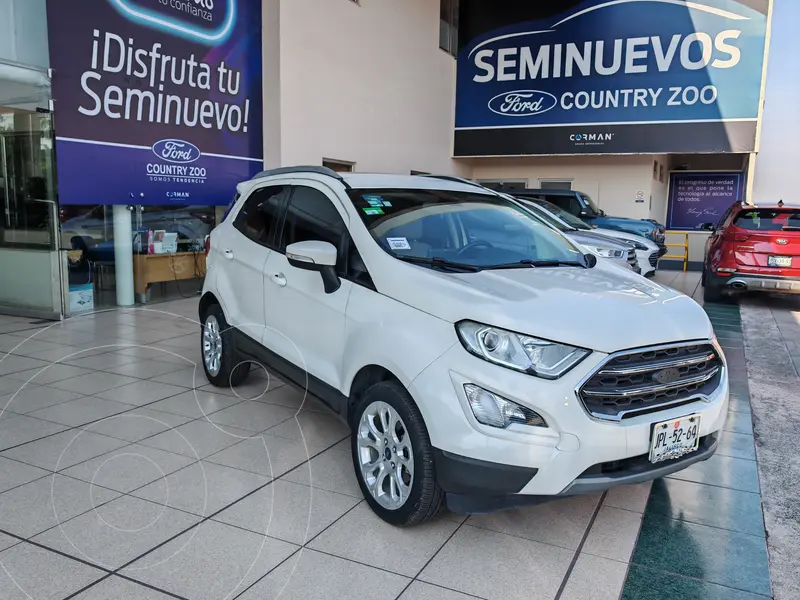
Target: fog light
x=496, y=411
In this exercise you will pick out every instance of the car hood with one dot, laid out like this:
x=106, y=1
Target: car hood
x=625, y=236
x=591, y=237
x=605, y=308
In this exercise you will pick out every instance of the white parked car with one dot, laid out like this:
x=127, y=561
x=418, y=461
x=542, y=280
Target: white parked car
x=480, y=358
x=618, y=252
x=647, y=251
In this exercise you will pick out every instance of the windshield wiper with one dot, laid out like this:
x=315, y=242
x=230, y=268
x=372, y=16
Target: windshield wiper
x=791, y=228
x=438, y=262
x=539, y=263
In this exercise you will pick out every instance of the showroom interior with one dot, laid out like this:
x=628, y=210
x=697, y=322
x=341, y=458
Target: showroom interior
x=67, y=244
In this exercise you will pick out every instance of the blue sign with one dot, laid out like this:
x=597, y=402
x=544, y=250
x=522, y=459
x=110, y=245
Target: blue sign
x=698, y=198
x=156, y=102
x=607, y=67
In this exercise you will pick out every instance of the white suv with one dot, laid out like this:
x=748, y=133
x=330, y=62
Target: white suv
x=481, y=360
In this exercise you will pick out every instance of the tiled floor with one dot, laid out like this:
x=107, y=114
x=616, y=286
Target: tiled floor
x=124, y=475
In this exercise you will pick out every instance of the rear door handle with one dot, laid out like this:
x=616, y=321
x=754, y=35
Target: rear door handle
x=228, y=254
x=279, y=279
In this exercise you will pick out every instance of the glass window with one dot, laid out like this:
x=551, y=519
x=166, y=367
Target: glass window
x=448, y=26
x=555, y=185
x=498, y=184
x=768, y=220
x=312, y=216
x=27, y=188
x=568, y=203
x=260, y=213
x=478, y=230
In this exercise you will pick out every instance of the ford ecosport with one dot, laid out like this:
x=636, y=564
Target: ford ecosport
x=481, y=359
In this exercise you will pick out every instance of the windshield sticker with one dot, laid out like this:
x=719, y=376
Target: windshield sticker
x=374, y=200
x=399, y=243
x=372, y=210
x=387, y=204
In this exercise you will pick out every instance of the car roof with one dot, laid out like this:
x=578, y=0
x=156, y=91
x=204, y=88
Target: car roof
x=368, y=180
x=546, y=192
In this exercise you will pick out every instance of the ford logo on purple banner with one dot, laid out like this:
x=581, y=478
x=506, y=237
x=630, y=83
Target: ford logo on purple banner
x=176, y=151
x=522, y=103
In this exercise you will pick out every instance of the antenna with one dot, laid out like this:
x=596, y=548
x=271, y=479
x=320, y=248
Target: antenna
x=780, y=203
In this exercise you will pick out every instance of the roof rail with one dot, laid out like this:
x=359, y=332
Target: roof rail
x=300, y=169
x=456, y=179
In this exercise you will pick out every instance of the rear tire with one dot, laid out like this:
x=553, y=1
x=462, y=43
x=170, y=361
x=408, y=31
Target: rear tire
x=393, y=457
x=221, y=361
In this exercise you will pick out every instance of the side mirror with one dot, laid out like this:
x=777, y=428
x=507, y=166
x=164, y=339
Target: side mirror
x=590, y=260
x=316, y=256
x=707, y=227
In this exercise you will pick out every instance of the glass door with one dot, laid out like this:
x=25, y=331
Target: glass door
x=31, y=271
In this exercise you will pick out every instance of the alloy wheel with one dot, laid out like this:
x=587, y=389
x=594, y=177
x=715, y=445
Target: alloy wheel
x=385, y=455
x=212, y=345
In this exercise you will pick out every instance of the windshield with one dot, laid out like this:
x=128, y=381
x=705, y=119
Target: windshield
x=467, y=228
x=545, y=216
x=565, y=216
x=590, y=203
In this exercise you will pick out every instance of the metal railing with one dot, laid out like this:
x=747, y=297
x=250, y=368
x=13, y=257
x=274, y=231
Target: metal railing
x=685, y=256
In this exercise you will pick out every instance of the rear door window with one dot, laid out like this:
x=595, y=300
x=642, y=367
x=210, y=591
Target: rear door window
x=768, y=220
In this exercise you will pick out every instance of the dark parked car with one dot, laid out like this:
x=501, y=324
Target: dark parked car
x=581, y=205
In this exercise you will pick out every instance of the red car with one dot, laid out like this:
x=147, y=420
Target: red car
x=753, y=248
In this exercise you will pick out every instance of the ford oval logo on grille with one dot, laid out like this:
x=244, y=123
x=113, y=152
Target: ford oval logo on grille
x=176, y=151
x=667, y=376
x=522, y=103
x=782, y=242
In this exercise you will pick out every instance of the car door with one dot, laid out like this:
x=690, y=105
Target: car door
x=305, y=325
x=244, y=248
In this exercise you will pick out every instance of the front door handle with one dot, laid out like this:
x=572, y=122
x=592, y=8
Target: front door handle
x=228, y=254
x=279, y=279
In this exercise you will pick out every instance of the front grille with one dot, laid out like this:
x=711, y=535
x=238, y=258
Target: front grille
x=632, y=258
x=654, y=259
x=643, y=381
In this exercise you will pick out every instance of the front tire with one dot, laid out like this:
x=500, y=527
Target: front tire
x=221, y=362
x=393, y=457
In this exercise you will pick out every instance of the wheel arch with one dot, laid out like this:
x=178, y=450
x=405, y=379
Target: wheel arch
x=207, y=301
x=366, y=377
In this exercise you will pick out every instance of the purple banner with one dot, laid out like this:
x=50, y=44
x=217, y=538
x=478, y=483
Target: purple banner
x=697, y=198
x=156, y=101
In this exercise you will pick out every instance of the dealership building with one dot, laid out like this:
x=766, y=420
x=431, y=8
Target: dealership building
x=126, y=124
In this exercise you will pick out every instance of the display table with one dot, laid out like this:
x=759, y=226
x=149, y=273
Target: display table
x=162, y=268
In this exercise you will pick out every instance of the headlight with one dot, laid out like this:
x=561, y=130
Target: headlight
x=520, y=352
x=606, y=252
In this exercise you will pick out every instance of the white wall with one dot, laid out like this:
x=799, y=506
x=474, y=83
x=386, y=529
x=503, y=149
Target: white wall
x=612, y=181
x=777, y=162
x=39, y=290
x=23, y=32
x=367, y=84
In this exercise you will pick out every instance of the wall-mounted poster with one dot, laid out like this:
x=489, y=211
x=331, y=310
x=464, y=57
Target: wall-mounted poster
x=156, y=101
x=697, y=198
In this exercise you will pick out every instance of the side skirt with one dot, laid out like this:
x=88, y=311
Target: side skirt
x=291, y=373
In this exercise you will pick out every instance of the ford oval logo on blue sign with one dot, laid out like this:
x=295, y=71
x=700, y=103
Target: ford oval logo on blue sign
x=176, y=151
x=522, y=103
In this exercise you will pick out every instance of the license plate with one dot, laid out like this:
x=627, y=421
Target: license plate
x=673, y=439
x=779, y=261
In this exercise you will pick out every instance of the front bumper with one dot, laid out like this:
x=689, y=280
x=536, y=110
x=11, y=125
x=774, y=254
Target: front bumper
x=485, y=468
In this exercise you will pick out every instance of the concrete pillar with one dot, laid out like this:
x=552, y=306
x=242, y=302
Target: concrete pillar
x=123, y=255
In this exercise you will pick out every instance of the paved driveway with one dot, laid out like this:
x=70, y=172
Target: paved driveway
x=124, y=475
